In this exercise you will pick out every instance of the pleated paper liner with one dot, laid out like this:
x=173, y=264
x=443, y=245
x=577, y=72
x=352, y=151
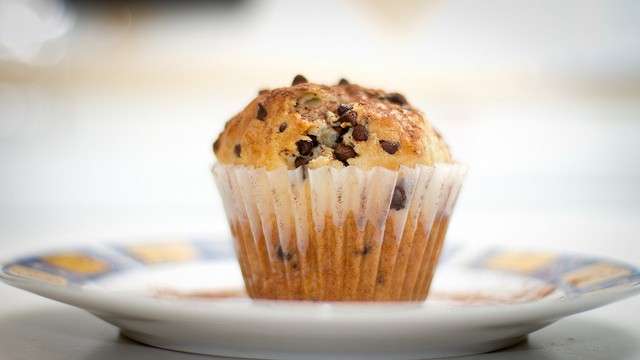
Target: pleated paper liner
x=339, y=234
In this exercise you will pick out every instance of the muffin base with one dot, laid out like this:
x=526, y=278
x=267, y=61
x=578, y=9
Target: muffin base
x=339, y=234
x=342, y=263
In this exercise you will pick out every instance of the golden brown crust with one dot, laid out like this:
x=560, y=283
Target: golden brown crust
x=305, y=124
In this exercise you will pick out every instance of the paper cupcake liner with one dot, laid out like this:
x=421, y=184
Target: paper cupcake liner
x=343, y=234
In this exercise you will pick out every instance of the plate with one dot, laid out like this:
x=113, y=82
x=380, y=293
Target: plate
x=187, y=295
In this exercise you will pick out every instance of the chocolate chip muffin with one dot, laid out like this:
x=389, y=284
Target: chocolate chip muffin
x=338, y=193
x=318, y=125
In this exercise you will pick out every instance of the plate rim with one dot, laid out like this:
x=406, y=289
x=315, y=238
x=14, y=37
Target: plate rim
x=104, y=301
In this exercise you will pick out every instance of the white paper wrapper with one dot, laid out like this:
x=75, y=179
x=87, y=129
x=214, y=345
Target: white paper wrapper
x=339, y=234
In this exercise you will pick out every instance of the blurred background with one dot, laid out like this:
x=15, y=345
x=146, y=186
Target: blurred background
x=108, y=108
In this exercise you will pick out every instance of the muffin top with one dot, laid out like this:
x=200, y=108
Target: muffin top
x=318, y=125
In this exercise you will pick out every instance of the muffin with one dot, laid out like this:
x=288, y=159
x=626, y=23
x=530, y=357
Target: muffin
x=335, y=193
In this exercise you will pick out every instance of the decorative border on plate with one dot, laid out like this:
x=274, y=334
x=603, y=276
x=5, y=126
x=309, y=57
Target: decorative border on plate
x=77, y=266
x=574, y=275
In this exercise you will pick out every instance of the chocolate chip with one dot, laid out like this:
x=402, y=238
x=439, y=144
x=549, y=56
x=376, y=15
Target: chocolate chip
x=396, y=98
x=343, y=81
x=283, y=255
x=360, y=133
x=314, y=140
x=263, y=91
x=389, y=146
x=237, y=150
x=300, y=161
x=341, y=130
x=305, y=147
x=365, y=250
x=298, y=79
x=216, y=145
x=349, y=117
x=399, y=198
x=343, y=108
x=282, y=127
x=344, y=152
x=262, y=112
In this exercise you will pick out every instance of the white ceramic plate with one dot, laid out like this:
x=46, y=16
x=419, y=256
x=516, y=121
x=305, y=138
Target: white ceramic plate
x=186, y=295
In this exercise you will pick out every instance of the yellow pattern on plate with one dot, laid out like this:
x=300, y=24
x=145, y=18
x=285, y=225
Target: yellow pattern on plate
x=594, y=274
x=524, y=262
x=31, y=273
x=163, y=253
x=77, y=262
